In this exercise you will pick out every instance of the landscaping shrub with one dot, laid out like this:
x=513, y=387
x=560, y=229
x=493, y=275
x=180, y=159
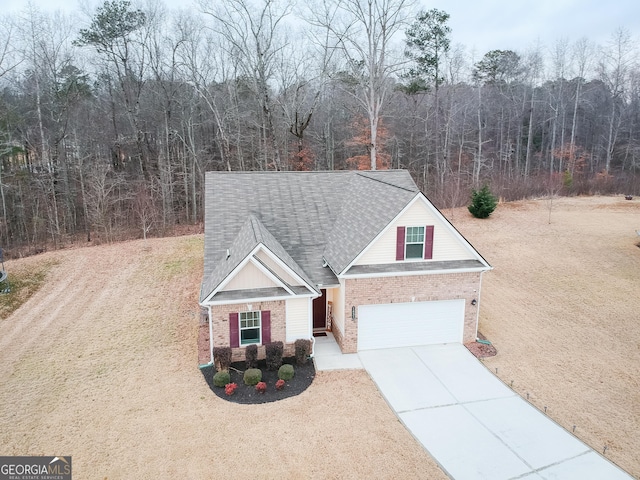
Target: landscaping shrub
x=274, y=355
x=483, y=203
x=261, y=387
x=285, y=372
x=251, y=356
x=221, y=378
x=229, y=388
x=252, y=376
x=280, y=384
x=303, y=350
x=222, y=358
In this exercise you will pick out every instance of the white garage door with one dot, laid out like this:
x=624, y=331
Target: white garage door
x=407, y=324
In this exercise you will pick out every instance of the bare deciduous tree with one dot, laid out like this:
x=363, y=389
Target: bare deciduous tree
x=614, y=71
x=364, y=30
x=253, y=36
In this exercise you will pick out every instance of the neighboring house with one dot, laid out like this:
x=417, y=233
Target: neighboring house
x=363, y=254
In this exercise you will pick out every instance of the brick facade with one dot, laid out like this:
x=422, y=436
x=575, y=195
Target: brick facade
x=220, y=325
x=362, y=291
x=412, y=288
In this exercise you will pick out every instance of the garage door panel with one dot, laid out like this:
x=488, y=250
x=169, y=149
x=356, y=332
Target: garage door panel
x=408, y=324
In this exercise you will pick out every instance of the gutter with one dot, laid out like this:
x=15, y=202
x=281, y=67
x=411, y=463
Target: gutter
x=412, y=273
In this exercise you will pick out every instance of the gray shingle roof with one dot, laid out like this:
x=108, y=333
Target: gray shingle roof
x=416, y=267
x=234, y=295
x=243, y=243
x=302, y=217
x=373, y=201
x=251, y=234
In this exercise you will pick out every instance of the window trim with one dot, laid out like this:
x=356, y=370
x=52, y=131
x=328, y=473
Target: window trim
x=241, y=328
x=407, y=243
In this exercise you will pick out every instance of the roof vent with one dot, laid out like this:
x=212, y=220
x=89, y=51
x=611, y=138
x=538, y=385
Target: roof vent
x=228, y=254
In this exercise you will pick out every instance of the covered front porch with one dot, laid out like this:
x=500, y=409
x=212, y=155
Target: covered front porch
x=328, y=312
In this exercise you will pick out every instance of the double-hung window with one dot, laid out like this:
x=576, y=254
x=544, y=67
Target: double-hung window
x=250, y=328
x=414, y=242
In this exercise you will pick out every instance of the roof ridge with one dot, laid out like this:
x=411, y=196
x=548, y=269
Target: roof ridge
x=271, y=172
x=361, y=174
x=255, y=228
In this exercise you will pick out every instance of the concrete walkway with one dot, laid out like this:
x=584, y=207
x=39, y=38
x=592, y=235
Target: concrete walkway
x=328, y=356
x=472, y=424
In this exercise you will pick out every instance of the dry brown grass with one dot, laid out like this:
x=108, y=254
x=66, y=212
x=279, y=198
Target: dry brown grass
x=101, y=364
x=562, y=309
x=24, y=281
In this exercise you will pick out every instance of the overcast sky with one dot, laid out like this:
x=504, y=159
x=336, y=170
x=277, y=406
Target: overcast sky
x=520, y=24
x=484, y=25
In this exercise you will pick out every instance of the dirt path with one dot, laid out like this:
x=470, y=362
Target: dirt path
x=101, y=364
x=561, y=307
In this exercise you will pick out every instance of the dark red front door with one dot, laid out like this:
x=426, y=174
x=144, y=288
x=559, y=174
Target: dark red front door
x=320, y=311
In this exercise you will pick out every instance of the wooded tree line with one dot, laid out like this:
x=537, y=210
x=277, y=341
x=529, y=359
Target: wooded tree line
x=109, y=122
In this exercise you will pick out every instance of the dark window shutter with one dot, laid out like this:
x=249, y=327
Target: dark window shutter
x=400, y=244
x=266, y=327
x=428, y=242
x=234, y=330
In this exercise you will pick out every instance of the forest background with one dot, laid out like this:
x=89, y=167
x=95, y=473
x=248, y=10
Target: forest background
x=107, y=126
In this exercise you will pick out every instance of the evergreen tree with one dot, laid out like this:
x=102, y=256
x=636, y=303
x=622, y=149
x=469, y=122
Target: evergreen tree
x=483, y=203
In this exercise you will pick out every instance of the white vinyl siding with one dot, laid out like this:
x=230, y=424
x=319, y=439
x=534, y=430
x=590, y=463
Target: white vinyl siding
x=249, y=277
x=446, y=246
x=338, y=307
x=298, y=324
x=408, y=324
x=277, y=269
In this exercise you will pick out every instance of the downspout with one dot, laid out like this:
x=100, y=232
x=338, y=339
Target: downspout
x=210, y=339
x=313, y=339
x=478, y=306
x=313, y=347
x=211, y=334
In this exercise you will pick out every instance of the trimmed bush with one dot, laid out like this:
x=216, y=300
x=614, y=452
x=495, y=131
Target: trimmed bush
x=220, y=379
x=280, y=384
x=222, y=358
x=252, y=376
x=285, y=372
x=274, y=355
x=303, y=350
x=251, y=356
x=483, y=203
x=229, y=388
x=261, y=387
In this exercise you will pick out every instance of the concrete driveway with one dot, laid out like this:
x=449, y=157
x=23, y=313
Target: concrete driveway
x=474, y=425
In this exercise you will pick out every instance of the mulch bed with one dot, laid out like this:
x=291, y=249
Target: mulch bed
x=481, y=350
x=245, y=394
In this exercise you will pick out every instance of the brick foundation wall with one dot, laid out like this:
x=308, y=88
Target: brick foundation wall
x=414, y=288
x=220, y=319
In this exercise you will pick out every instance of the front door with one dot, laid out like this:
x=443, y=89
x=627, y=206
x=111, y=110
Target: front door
x=320, y=312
